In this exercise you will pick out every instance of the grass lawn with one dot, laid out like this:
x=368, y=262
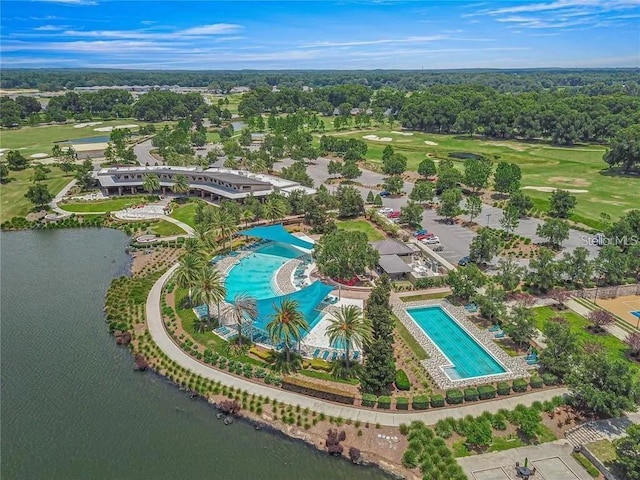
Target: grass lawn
x=185, y=213
x=361, y=226
x=604, y=450
x=12, y=200
x=166, y=229
x=410, y=340
x=614, y=347
x=326, y=376
x=542, y=165
x=213, y=137
x=425, y=296
x=110, y=205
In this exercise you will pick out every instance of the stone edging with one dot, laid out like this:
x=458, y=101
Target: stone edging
x=516, y=366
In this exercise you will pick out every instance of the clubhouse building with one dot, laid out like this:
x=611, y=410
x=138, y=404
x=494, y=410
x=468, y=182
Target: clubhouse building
x=211, y=183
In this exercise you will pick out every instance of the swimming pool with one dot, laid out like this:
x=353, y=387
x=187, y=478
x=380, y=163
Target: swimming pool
x=467, y=357
x=253, y=274
x=636, y=313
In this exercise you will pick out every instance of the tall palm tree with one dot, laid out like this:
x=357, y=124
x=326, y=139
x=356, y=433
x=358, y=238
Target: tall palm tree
x=180, y=185
x=227, y=226
x=192, y=245
x=209, y=288
x=273, y=209
x=186, y=274
x=151, y=182
x=244, y=308
x=287, y=325
x=350, y=329
x=201, y=231
x=247, y=216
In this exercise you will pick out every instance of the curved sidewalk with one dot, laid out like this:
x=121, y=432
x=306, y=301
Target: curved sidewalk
x=165, y=343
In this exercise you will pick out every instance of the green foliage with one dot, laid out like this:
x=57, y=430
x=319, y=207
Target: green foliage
x=536, y=382
x=369, y=400
x=437, y=400
x=454, y=397
x=39, y=194
x=486, y=392
x=471, y=394
x=450, y=203
x=625, y=149
x=554, y=230
x=628, y=451
x=402, y=380
x=484, y=246
x=464, y=281
x=586, y=464
x=384, y=402
x=561, y=203
x=343, y=254
x=519, y=385
x=476, y=173
x=549, y=379
x=503, y=388
x=507, y=177
x=420, y=402
x=402, y=403
x=444, y=427
x=479, y=433
x=562, y=348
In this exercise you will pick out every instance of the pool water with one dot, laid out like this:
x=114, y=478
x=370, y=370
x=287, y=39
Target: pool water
x=253, y=274
x=636, y=313
x=468, y=358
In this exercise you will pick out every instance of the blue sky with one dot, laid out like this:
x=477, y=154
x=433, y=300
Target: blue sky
x=383, y=34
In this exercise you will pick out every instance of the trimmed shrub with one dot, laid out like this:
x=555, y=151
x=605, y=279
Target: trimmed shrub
x=402, y=380
x=369, y=400
x=536, y=382
x=437, y=400
x=549, y=379
x=444, y=428
x=503, y=388
x=454, y=397
x=486, y=392
x=519, y=385
x=319, y=391
x=471, y=394
x=402, y=403
x=319, y=364
x=420, y=402
x=261, y=353
x=384, y=402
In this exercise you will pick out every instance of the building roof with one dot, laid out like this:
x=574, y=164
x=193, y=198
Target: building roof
x=392, y=246
x=393, y=264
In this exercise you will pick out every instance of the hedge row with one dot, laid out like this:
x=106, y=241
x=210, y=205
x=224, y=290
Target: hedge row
x=402, y=380
x=319, y=391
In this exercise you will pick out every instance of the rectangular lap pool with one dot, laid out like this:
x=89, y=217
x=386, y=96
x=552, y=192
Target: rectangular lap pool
x=467, y=357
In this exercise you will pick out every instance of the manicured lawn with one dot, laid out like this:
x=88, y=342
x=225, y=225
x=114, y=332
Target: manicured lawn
x=326, y=376
x=410, y=340
x=12, y=200
x=604, y=450
x=543, y=165
x=613, y=346
x=213, y=137
x=424, y=296
x=166, y=229
x=185, y=213
x=361, y=226
x=110, y=205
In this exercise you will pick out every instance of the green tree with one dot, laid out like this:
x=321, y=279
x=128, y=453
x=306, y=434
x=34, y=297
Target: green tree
x=343, y=254
x=484, y=246
x=39, y=195
x=520, y=202
x=448, y=179
x=243, y=309
x=40, y=173
x=377, y=201
x=450, y=204
x=465, y=281
x=16, y=161
x=604, y=385
x=180, y=185
x=393, y=184
x=521, y=325
x=394, y=165
x=422, y=192
x=427, y=168
x=476, y=173
x=554, y=230
x=510, y=273
x=4, y=172
x=562, y=347
x=612, y=265
x=350, y=203
x=350, y=170
x=245, y=137
x=561, y=203
x=349, y=329
x=370, y=197
x=544, y=271
x=625, y=149
x=479, y=434
x=527, y=420
x=628, y=452
x=491, y=302
x=151, y=183
x=473, y=206
x=189, y=268
x=506, y=178
x=578, y=267
x=510, y=219
x=287, y=325
x=208, y=288
x=411, y=214
x=274, y=209
x=387, y=153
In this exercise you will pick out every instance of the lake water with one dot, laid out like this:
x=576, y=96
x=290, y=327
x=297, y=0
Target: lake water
x=72, y=407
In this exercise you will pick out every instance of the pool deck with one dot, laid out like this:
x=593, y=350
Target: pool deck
x=517, y=367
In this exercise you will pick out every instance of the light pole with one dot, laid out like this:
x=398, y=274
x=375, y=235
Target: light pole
x=488, y=216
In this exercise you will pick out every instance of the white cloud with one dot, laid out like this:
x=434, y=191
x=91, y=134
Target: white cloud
x=214, y=29
x=49, y=28
x=70, y=2
x=606, y=5
x=383, y=41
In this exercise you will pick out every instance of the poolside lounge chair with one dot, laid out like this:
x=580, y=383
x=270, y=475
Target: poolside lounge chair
x=356, y=355
x=325, y=355
x=471, y=307
x=334, y=356
x=494, y=328
x=500, y=335
x=532, y=361
x=316, y=353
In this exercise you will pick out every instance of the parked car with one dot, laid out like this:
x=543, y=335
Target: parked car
x=394, y=214
x=431, y=240
x=385, y=210
x=384, y=193
x=425, y=235
x=437, y=248
x=420, y=232
x=464, y=261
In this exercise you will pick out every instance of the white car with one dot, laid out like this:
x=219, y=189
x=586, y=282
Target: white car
x=431, y=240
x=385, y=210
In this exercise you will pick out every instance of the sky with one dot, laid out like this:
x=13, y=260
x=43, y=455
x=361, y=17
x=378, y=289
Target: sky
x=345, y=35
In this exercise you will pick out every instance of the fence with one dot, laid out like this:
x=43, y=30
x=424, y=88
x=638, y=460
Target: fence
x=608, y=292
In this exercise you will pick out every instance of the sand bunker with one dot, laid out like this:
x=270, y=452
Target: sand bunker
x=90, y=147
x=88, y=124
x=377, y=138
x=39, y=155
x=429, y=142
x=552, y=189
x=110, y=129
x=406, y=134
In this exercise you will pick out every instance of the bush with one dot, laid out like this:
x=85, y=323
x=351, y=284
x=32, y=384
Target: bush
x=437, y=400
x=444, y=428
x=454, y=397
x=471, y=394
x=261, y=353
x=486, y=392
x=420, y=402
x=319, y=364
x=503, y=388
x=536, y=382
x=369, y=400
x=384, y=402
x=402, y=403
x=499, y=421
x=410, y=459
x=325, y=392
x=402, y=380
x=588, y=466
x=519, y=385
x=549, y=379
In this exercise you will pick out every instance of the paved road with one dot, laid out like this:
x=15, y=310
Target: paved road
x=166, y=344
x=142, y=153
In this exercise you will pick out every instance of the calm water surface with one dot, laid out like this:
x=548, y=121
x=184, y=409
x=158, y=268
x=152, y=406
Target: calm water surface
x=72, y=408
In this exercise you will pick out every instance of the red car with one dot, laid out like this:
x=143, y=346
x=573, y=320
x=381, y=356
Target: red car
x=395, y=214
x=424, y=235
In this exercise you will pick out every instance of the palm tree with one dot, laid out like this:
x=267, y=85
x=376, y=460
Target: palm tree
x=243, y=309
x=201, y=231
x=247, y=216
x=274, y=209
x=209, y=288
x=192, y=245
x=227, y=226
x=287, y=325
x=350, y=329
x=180, y=185
x=200, y=324
x=151, y=182
x=186, y=274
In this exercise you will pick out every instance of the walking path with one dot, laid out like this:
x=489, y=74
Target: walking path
x=61, y=194
x=597, y=430
x=613, y=329
x=166, y=344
